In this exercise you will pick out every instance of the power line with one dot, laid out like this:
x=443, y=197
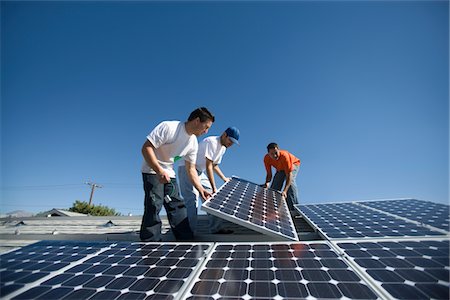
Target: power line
x=66, y=186
x=43, y=187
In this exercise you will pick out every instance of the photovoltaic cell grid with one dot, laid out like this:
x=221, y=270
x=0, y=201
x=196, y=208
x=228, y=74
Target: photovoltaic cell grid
x=124, y=271
x=247, y=204
x=404, y=269
x=33, y=262
x=277, y=271
x=349, y=220
x=426, y=212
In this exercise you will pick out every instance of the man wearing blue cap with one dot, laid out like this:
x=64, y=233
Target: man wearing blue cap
x=209, y=156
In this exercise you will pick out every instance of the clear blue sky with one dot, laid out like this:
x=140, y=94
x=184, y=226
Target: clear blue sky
x=358, y=90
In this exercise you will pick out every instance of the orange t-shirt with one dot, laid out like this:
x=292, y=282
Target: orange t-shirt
x=285, y=162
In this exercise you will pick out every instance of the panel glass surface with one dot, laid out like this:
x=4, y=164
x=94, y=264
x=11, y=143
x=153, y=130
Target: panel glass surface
x=426, y=212
x=124, y=271
x=405, y=269
x=33, y=262
x=349, y=220
x=247, y=204
x=277, y=271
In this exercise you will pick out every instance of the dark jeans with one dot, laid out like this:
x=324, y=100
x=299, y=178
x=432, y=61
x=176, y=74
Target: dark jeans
x=278, y=182
x=175, y=209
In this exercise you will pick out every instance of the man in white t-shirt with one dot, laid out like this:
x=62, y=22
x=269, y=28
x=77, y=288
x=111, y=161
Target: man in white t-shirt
x=168, y=140
x=209, y=156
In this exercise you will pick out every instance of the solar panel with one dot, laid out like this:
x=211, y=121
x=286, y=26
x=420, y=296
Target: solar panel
x=426, y=212
x=404, y=269
x=121, y=271
x=309, y=270
x=349, y=220
x=247, y=204
x=36, y=261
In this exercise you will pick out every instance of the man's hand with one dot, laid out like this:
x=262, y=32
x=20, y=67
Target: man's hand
x=227, y=179
x=205, y=195
x=284, y=194
x=264, y=185
x=163, y=177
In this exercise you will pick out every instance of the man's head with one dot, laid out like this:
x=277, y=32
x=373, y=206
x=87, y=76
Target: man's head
x=273, y=150
x=230, y=137
x=200, y=120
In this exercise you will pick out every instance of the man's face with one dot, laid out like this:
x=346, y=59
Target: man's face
x=202, y=127
x=226, y=141
x=274, y=153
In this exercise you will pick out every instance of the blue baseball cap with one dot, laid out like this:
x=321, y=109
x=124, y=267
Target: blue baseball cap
x=233, y=134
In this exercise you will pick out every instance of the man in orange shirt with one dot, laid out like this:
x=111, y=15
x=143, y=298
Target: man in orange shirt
x=287, y=166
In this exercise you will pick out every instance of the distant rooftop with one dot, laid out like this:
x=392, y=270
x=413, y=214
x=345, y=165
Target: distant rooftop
x=21, y=231
x=55, y=212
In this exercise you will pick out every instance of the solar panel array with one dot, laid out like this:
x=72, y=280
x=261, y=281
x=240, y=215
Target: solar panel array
x=57, y=270
x=277, y=271
x=426, y=212
x=354, y=269
x=352, y=220
x=404, y=269
x=368, y=254
x=36, y=261
x=247, y=204
x=375, y=238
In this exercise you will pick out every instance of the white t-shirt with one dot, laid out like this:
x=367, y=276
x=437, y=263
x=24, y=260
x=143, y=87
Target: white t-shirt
x=170, y=139
x=210, y=148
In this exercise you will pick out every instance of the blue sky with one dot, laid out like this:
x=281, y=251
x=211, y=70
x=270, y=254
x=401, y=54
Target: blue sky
x=358, y=90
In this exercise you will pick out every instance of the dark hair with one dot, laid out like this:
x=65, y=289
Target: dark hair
x=271, y=146
x=203, y=113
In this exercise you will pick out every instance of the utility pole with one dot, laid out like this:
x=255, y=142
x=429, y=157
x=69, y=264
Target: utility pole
x=93, y=185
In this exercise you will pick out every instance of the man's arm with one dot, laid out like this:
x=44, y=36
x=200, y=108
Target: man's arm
x=287, y=185
x=193, y=176
x=268, y=172
x=268, y=178
x=219, y=173
x=210, y=174
x=212, y=168
x=288, y=171
x=148, y=151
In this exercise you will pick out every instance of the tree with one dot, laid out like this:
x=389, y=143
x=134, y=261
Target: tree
x=93, y=210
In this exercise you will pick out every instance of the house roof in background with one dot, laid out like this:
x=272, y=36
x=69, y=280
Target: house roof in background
x=56, y=212
x=22, y=231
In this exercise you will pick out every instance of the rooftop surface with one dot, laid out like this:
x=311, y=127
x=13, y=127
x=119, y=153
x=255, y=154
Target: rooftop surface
x=16, y=232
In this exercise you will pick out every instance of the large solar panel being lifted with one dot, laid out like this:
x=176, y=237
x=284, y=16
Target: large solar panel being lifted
x=277, y=271
x=121, y=271
x=350, y=220
x=404, y=269
x=247, y=204
x=426, y=212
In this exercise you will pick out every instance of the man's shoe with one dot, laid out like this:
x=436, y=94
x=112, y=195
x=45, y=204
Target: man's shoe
x=224, y=231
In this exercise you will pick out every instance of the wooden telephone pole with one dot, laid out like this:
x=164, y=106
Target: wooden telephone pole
x=93, y=185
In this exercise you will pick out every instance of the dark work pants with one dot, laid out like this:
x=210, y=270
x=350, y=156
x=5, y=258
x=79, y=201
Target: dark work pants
x=278, y=183
x=175, y=209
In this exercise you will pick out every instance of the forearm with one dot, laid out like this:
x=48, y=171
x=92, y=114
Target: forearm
x=193, y=176
x=219, y=173
x=268, y=177
x=148, y=152
x=288, y=182
x=210, y=175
